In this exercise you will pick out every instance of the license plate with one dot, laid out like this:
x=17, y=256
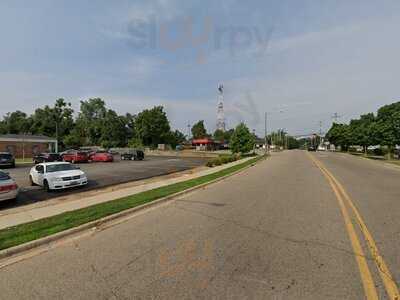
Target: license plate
x=73, y=183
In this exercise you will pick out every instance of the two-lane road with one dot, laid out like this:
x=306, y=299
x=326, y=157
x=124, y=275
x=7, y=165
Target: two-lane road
x=274, y=231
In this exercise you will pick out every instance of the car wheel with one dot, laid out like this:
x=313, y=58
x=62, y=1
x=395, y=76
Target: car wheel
x=46, y=186
x=31, y=181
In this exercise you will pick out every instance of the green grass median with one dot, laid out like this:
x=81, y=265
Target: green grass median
x=27, y=232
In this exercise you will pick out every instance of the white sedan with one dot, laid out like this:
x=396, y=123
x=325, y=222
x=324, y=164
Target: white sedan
x=8, y=187
x=57, y=176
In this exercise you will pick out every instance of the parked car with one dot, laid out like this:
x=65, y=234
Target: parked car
x=74, y=156
x=312, y=148
x=57, y=175
x=7, y=160
x=8, y=188
x=103, y=156
x=133, y=155
x=47, y=157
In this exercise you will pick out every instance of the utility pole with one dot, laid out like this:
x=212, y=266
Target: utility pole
x=336, y=117
x=56, y=145
x=255, y=140
x=188, y=135
x=266, y=134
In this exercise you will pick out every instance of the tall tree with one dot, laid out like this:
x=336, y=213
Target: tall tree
x=56, y=121
x=90, y=121
x=3, y=127
x=242, y=140
x=17, y=123
x=362, y=131
x=198, y=130
x=388, y=125
x=152, y=126
x=113, y=130
x=339, y=135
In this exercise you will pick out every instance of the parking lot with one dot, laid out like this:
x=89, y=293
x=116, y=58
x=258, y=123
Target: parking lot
x=102, y=175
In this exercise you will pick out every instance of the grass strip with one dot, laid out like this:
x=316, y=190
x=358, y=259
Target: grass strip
x=27, y=232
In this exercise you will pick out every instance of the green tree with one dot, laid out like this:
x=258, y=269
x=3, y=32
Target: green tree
x=242, y=140
x=175, y=138
x=3, y=127
x=228, y=134
x=198, y=130
x=363, y=131
x=17, y=123
x=388, y=125
x=339, y=135
x=219, y=135
x=90, y=121
x=54, y=121
x=152, y=126
x=130, y=126
x=113, y=130
x=292, y=143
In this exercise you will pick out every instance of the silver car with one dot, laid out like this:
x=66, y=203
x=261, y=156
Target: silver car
x=8, y=187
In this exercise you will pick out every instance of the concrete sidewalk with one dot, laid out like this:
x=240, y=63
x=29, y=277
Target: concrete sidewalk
x=37, y=213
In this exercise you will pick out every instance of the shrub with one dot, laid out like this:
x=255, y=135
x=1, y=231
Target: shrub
x=210, y=164
x=222, y=159
x=217, y=162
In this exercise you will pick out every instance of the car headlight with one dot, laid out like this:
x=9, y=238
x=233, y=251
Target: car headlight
x=57, y=179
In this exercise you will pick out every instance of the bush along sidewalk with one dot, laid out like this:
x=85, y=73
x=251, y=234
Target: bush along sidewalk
x=224, y=159
x=27, y=232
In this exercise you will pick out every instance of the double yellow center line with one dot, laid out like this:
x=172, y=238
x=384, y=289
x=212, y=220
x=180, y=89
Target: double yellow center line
x=366, y=277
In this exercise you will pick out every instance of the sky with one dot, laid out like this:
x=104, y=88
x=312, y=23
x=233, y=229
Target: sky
x=299, y=61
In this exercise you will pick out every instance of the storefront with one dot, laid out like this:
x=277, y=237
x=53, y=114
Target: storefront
x=26, y=146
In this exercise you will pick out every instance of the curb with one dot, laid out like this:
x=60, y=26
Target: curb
x=57, y=236
x=380, y=162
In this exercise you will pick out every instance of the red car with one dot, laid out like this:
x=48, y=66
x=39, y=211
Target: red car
x=74, y=156
x=101, y=156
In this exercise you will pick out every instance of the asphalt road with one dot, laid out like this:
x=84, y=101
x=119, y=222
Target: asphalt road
x=102, y=174
x=274, y=231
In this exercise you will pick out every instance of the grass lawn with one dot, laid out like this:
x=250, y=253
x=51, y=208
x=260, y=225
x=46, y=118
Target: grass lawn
x=23, y=233
x=23, y=161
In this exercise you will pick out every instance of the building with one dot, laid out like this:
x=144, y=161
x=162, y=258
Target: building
x=206, y=144
x=26, y=146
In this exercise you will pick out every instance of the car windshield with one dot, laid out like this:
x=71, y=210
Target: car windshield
x=4, y=176
x=5, y=156
x=60, y=167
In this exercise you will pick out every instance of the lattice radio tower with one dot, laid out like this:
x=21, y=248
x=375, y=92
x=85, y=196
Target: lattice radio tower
x=220, y=109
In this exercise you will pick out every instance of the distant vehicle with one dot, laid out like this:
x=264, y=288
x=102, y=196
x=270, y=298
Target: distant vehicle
x=103, y=156
x=57, y=176
x=321, y=148
x=113, y=152
x=74, y=156
x=7, y=160
x=47, y=157
x=8, y=188
x=133, y=155
x=312, y=148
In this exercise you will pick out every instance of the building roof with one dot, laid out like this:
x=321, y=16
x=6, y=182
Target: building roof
x=202, y=141
x=26, y=138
